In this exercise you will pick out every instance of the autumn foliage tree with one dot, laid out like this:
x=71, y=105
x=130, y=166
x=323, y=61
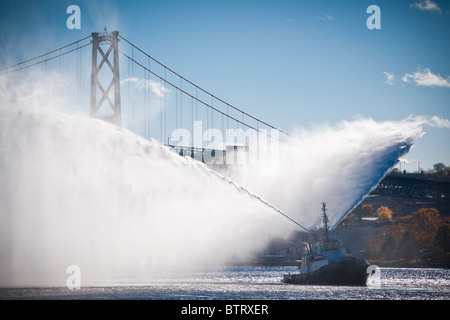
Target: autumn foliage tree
x=443, y=236
x=384, y=213
x=423, y=224
x=423, y=229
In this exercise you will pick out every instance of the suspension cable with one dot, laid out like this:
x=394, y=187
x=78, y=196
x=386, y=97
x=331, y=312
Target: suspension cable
x=188, y=94
x=147, y=69
x=193, y=84
x=43, y=55
x=43, y=61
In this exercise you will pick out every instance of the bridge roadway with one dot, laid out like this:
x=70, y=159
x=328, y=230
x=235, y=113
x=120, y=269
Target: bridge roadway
x=415, y=186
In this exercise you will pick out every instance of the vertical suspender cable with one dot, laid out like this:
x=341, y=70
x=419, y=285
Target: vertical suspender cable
x=181, y=103
x=149, y=107
x=192, y=118
x=165, y=107
x=133, y=121
x=196, y=104
x=176, y=109
x=212, y=113
x=145, y=111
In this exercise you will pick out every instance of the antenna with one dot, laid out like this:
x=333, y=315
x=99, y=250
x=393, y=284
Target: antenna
x=325, y=219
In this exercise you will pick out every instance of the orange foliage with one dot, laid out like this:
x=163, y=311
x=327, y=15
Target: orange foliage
x=420, y=227
x=423, y=224
x=384, y=213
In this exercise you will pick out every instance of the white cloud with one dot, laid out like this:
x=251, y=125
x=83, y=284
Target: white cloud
x=435, y=121
x=327, y=18
x=426, y=78
x=156, y=87
x=389, y=77
x=426, y=5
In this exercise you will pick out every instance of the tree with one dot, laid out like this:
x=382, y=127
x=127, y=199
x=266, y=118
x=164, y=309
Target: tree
x=388, y=248
x=424, y=223
x=439, y=167
x=422, y=229
x=384, y=213
x=443, y=237
x=407, y=247
x=367, y=210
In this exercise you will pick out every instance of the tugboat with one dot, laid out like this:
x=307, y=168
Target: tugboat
x=326, y=264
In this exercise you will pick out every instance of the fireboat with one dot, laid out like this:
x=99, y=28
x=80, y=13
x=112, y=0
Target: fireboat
x=326, y=263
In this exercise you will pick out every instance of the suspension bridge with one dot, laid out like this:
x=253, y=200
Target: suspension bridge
x=152, y=100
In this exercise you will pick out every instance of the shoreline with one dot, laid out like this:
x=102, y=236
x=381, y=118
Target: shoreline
x=439, y=264
x=434, y=264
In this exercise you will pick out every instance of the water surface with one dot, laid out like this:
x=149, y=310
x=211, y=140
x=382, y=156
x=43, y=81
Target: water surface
x=254, y=283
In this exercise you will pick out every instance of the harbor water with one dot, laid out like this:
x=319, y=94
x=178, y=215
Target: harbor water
x=252, y=283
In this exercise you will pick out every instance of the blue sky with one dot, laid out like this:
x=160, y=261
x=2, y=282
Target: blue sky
x=291, y=63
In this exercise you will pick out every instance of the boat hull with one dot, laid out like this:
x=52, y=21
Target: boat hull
x=351, y=272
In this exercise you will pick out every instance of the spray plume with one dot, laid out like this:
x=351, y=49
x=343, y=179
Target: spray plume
x=337, y=164
x=76, y=190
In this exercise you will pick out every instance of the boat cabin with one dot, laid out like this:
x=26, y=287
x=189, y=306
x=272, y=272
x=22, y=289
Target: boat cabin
x=327, y=247
x=322, y=254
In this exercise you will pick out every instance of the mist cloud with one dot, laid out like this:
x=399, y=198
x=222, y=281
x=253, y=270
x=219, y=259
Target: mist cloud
x=78, y=191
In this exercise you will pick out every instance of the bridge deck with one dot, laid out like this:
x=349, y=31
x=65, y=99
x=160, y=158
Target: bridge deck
x=418, y=186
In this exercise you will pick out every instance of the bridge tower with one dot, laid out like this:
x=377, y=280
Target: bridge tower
x=110, y=42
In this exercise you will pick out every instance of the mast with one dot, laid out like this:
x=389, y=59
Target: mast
x=325, y=219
